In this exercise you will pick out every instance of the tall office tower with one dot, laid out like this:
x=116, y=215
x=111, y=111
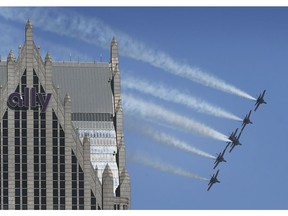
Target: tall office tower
x=61, y=133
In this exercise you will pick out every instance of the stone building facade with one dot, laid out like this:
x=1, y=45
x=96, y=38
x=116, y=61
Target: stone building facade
x=61, y=133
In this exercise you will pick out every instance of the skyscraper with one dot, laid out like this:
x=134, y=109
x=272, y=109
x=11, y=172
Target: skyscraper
x=61, y=133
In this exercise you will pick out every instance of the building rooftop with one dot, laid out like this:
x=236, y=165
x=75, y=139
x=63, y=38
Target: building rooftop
x=88, y=84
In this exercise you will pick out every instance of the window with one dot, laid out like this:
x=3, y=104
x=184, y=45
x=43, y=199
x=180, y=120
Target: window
x=93, y=201
x=74, y=181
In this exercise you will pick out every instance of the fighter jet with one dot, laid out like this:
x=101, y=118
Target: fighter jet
x=260, y=100
x=234, y=140
x=246, y=121
x=220, y=157
x=213, y=180
x=232, y=136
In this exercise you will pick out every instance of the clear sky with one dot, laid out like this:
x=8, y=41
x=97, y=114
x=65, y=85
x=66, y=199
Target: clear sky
x=245, y=47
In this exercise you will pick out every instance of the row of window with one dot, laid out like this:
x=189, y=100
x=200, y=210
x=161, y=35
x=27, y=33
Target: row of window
x=39, y=151
x=4, y=177
x=58, y=164
x=92, y=117
x=117, y=207
x=97, y=134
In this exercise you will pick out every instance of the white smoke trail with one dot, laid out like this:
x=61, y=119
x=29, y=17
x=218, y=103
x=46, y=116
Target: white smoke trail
x=173, y=95
x=172, y=141
x=93, y=31
x=146, y=110
x=148, y=161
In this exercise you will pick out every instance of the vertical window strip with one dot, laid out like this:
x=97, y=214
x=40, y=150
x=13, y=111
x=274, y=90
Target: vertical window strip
x=93, y=201
x=5, y=161
x=37, y=148
x=43, y=160
x=24, y=159
x=62, y=168
x=17, y=160
x=74, y=181
x=55, y=161
x=81, y=188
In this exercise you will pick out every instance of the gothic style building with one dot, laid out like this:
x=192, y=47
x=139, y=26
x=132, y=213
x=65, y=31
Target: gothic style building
x=61, y=133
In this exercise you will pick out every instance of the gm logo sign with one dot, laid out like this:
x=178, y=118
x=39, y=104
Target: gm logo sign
x=29, y=99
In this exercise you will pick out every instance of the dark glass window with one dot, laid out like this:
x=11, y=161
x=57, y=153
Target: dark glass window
x=43, y=167
x=55, y=184
x=55, y=133
x=36, y=133
x=24, y=115
x=62, y=159
x=5, y=132
x=55, y=193
x=62, y=168
x=43, y=124
x=81, y=193
x=36, y=185
x=93, y=201
x=17, y=124
x=74, y=201
x=74, y=184
x=55, y=176
x=24, y=132
x=24, y=150
x=62, y=192
x=62, y=133
x=62, y=150
x=24, y=185
x=62, y=176
x=62, y=184
x=74, y=193
x=17, y=167
x=17, y=133
x=17, y=150
x=24, y=124
x=24, y=191
x=74, y=176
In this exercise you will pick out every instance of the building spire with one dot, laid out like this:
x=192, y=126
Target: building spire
x=10, y=56
x=28, y=32
x=48, y=57
x=28, y=24
x=114, y=41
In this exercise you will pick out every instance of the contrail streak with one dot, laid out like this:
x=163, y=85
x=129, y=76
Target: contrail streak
x=151, y=110
x=173, y=95
x=172, y=141
x=147, y=161
x=93, y=31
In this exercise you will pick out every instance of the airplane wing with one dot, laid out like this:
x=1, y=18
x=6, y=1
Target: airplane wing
x=249, y=114
x=263, y=93
x=217, y=173
x=256, y=106
x=235, y=132
x=216, y=164
x=209, y=187
x=242, y=128
x=232, y=148
x=239, y=135
x=225, y=149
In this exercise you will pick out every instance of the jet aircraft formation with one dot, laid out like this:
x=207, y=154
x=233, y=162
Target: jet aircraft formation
x=234, y=140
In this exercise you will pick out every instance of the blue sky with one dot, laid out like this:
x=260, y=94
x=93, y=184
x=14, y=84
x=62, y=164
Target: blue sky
x=245, y=47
